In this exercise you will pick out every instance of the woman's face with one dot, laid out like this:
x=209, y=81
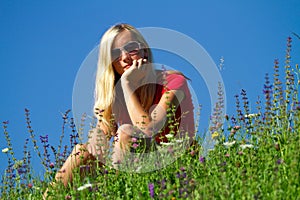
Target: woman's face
x=125, y=49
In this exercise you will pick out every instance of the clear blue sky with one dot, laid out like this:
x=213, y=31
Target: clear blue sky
x=43, y=44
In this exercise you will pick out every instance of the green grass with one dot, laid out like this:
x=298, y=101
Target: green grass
x=256, y=156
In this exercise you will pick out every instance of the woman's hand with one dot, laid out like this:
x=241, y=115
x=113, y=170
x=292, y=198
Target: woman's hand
x=136, y=73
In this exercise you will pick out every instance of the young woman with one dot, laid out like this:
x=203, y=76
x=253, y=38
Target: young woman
x=132, y=100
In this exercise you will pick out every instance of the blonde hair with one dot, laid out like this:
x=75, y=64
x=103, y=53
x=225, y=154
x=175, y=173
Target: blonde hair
x=106, y=77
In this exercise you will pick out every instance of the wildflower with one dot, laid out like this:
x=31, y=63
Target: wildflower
x=252, y=115
x=237, y=127
x=240, y=153
x=244, y=146
x=151, y=189
x=169, y=136
x=202, y=159
x=85, y=186
x=215, y=135
x=133, y=139
x=135, y=145
x=5, y=150
x=192, y=153
x=227, y=155
x=279, y=161
x=67, y=197
x=182, y=168
x=30, y=185
x=167, y=143
x=44, y=139
x=229, y=144
x=51, y=165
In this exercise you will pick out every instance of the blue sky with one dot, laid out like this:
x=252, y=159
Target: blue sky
x=43, y=44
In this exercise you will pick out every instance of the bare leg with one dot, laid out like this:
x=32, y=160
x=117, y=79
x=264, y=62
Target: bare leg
x=79, y=156
x=121, y=143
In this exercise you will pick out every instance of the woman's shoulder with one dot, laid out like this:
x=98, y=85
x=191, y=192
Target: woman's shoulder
x=167, y=74
x=172, y=79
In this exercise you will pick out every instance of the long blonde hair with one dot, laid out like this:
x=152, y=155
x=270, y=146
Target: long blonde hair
x=106, y=77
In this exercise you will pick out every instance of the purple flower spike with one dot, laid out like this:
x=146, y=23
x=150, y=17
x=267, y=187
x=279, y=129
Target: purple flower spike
x=151, y=189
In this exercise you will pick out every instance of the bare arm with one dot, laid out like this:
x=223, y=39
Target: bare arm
x=141, y=119
x=157, y=119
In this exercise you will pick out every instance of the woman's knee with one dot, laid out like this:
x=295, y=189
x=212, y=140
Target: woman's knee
x=125, y=132
x=79, y=148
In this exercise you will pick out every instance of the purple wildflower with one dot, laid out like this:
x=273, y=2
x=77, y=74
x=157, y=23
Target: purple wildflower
x=182, y=169
x=51, y=165
x=202, y=159
x=133, y=139
x=279, y=161
x=135, y=145
x=44, y=139
x=151, y=189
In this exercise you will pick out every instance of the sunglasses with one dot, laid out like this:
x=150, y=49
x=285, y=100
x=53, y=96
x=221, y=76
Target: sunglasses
x=132, y=48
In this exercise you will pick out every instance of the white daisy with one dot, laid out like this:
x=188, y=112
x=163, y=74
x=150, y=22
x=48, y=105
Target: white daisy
x=229, y=144
x=5, y=150
x=169, y=136
x=85, y=186
x=252, y=115
x=244, y=146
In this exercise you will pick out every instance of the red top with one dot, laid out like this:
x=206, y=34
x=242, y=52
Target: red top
x=184, y=114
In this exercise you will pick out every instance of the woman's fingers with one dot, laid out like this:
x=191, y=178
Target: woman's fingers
x=134, y=63
x=141, y=61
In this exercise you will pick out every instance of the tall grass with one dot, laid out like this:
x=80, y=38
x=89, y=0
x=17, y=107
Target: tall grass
x=255, y=156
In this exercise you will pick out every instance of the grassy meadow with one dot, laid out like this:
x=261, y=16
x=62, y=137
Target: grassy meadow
x=255, y=156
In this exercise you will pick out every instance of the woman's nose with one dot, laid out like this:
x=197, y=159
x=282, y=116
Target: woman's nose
x=125, y=56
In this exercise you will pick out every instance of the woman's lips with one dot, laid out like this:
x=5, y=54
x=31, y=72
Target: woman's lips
x=127, y=66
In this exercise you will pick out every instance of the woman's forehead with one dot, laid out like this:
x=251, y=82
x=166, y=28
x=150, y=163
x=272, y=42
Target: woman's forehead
x=123, y=38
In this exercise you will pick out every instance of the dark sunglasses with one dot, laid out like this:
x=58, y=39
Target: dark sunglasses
x=132, y=48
